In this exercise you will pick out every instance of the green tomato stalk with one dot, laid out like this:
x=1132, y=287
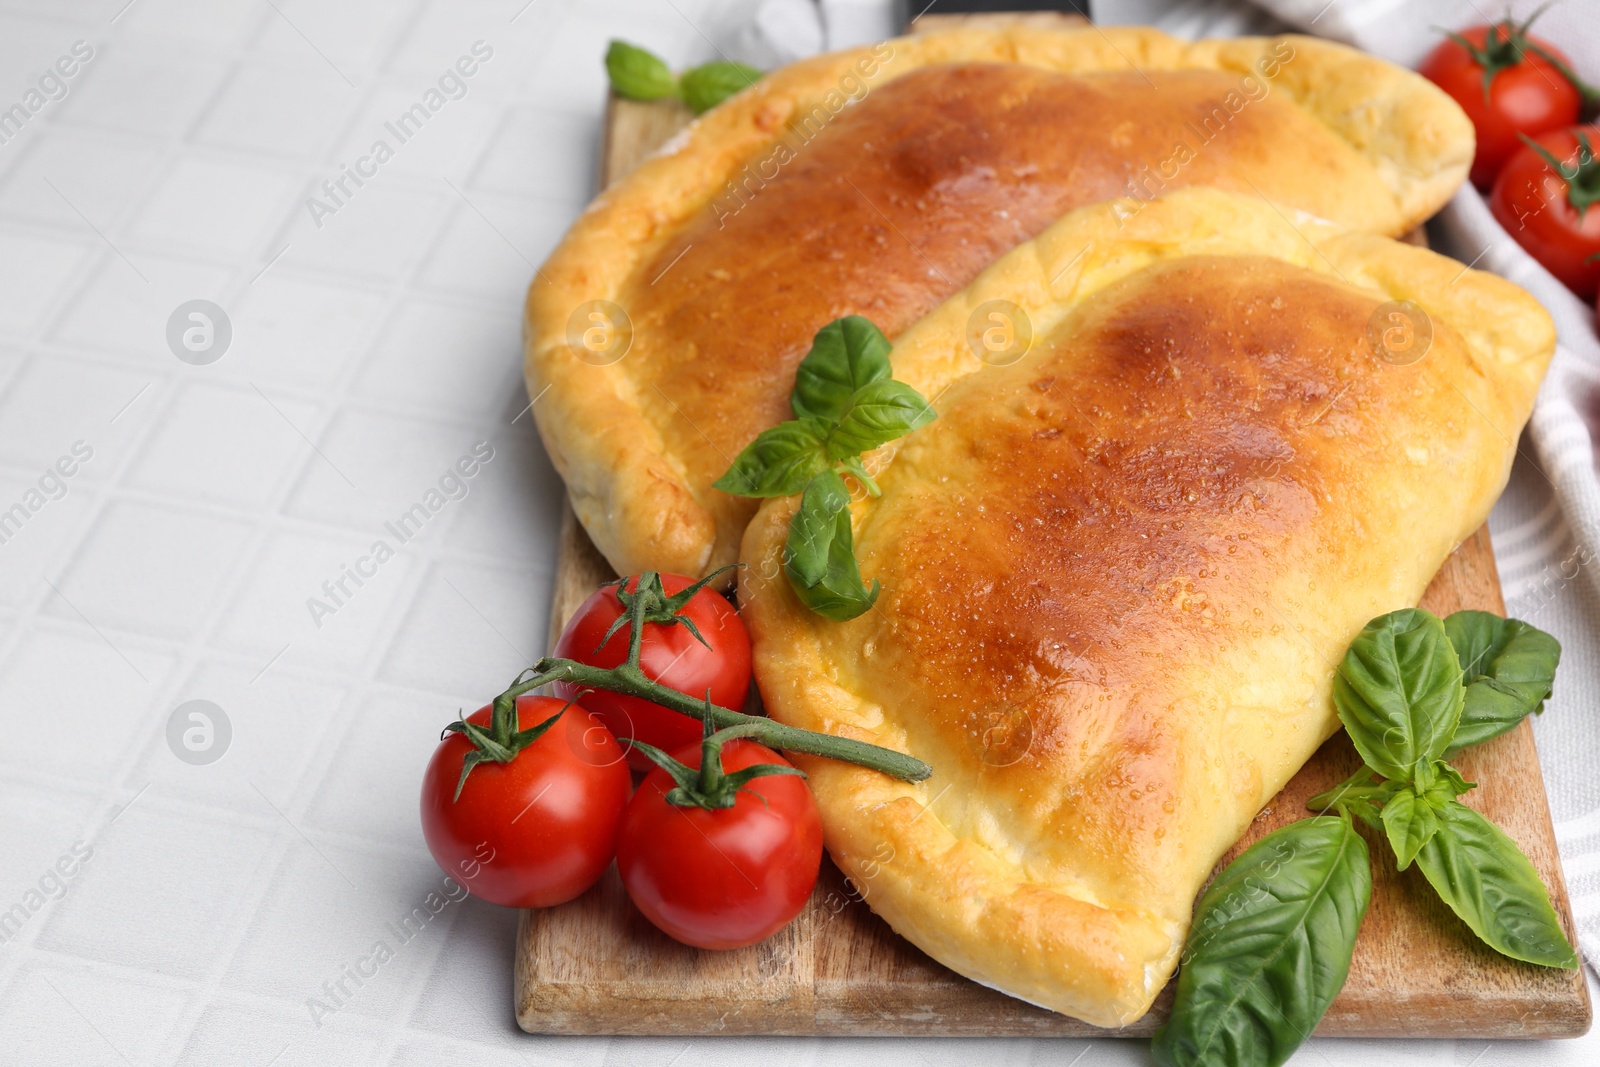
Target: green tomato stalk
x=710, y=787
x=648, y=603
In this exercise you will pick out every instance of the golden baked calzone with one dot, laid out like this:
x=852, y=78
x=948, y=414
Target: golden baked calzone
x=1118, y=573
x=668, y=323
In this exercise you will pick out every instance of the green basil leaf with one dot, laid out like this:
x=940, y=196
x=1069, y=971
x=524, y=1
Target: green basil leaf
x=1270, y=947
x=1410, y=822
x=1491, y=885
x=1364, y=809
x=845, y=355
x=706, y=86
x=875, y=415
x=852, y=465
x=638, y=74
x=1398, y=693
x=1508, y=668
x=778, y=462
x=843, y=389
x=1362, y=785
x=840, y=595
x=1448, y=783
x=813, y=528
x=820, y=557
x=840, y=600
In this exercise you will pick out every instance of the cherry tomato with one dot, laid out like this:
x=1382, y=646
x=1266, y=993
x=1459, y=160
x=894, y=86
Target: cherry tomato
x=1540, y=207
x=1527, y=92
x=538, y=830
x=669, y=654
x=726, y=877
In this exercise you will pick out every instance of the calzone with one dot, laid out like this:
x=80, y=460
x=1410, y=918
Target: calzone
x=1118, y=572
x=663, y=333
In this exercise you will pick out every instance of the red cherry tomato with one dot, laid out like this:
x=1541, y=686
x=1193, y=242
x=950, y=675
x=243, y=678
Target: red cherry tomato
x=1527, y=93
x=538, y=830
x=1536, y=205
x=669, y=654
x=727, y=877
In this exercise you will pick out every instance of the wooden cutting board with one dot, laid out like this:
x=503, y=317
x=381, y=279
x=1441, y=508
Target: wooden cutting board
x=596, y=966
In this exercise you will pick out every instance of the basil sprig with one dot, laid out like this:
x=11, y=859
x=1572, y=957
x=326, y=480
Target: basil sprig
x=1403, y=732
x=845, y=404
x=1273, y=936
x=639, y=74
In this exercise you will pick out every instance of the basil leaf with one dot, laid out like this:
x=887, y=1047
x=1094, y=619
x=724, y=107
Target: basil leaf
x=638, y=74
x=1362, y=785
x=845, y=355
x=840, y=598
x=1509, y=668
x=820, y=558
x=1398, y=693
x=1364, y=809
x=1491, y=885
x=706, y=86
x=852, y=465
x=875, y=415
x=812, y=530
x=1270, y=947
x=780, y=461
x=1410, y=822
x=1449, y=783
x=843, y=393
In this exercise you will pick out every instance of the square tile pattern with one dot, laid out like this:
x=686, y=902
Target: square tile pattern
x=173, y=523
x=165, y=525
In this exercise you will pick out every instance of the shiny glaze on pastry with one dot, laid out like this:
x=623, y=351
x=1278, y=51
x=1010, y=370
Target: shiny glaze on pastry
x=789, y=207
x=1117, y=574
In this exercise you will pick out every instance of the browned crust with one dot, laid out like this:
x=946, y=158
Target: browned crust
x=1051, y=932
x=628, y=489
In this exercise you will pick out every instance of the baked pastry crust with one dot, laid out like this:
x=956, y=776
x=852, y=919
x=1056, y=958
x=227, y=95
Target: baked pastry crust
x=1118, y=573
x=639, y=441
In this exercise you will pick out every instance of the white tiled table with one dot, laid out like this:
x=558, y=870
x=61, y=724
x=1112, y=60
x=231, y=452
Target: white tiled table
x=367, y=356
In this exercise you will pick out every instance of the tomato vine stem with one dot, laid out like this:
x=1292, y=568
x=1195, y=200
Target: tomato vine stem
x=767, y=731
x=630, y=680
